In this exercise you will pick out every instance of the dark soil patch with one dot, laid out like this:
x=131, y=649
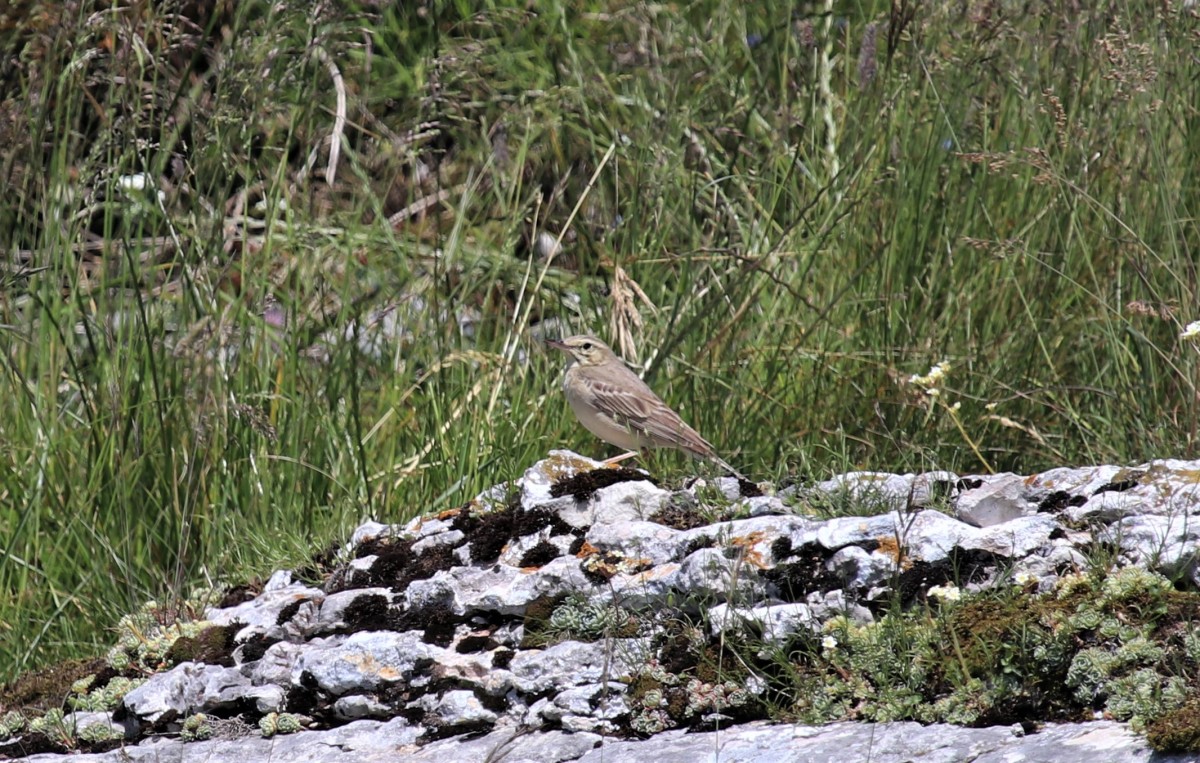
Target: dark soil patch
x=212, y=646
x=584, y=485
x=1118, y=486
x=803, y=573
x=748, y=489
x=1059, y=500
x=240, y=594
x=960, y=568
x=31, y=744
x=255, y=647
x=543, y=553
x=396, y=566
x=40, y=690
x=502, y=658
x=537, y=616
x=487, y=534
x=475, y=642
x=369, y=612
x=288, y=612
x=539, y=517
x=681, y=512
x=435, y=620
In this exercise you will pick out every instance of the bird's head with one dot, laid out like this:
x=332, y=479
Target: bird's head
x=584, y=350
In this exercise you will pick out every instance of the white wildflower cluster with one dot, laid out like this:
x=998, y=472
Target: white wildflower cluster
x=932, y=381
x=1025, y=578
x=945, y=593
x=1191, y=331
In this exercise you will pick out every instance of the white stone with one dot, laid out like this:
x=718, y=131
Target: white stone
x=1000, y=498
x=648, y=540
x=461, y=708
x=363, y=662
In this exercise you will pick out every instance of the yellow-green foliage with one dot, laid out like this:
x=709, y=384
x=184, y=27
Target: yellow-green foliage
x=1120, y=643
x=143, y=639
x=196, y=728
x=279, y=723
x=106, y=697
x=11, y=724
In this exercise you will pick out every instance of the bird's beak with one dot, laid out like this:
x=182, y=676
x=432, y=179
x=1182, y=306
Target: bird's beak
x=557, y=345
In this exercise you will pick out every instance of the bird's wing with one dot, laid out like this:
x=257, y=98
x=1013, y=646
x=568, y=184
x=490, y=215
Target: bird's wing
x=636, y=407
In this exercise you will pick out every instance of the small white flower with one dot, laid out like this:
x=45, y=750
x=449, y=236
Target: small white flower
x=829, y=642
x=946, y=593
x=1191, y=331
x=935, y=376
x=1025, y=578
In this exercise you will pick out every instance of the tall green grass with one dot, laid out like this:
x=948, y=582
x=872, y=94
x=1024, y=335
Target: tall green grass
x=1013, y=194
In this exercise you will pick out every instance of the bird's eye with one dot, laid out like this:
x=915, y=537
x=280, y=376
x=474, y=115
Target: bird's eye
x=587, y=346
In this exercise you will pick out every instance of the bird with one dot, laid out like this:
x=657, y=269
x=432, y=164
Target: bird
x=614, y=404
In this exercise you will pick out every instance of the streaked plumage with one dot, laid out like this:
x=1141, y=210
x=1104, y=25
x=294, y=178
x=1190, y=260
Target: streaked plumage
x=617, y=406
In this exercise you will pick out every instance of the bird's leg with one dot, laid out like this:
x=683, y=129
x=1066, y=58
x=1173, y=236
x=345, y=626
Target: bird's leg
x=612, y=462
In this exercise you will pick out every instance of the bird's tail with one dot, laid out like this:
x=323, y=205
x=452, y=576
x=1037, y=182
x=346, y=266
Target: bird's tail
x=725, y=465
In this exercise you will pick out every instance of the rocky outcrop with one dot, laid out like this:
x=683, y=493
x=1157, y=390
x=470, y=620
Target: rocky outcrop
x=585, y=613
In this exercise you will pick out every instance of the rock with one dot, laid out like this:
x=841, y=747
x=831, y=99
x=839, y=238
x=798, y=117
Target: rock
x=621, y=502
x=540, y=478
x=877, y=491
x=1000, y=498
x=1164, y=543
x=194, y=688
x=369, y=530
x=764, y=505
x=861, y=569
x=887, y=743
x=754, y=538
x=648, y=540
x=356, y=706
x=572, y=663
x=262, y=612
x=581, y=605
x=588, y=708
x=333, y=608
x=459, y=708
x=773, y=623
x=365, y=660
x=276, y=664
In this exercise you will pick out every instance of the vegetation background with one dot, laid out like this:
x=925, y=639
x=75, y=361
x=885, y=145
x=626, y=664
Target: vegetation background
x=271, y=269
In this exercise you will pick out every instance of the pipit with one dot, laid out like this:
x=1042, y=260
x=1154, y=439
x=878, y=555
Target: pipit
x=617, y=406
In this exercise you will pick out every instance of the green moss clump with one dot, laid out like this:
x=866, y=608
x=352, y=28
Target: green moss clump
x=1176, y=730
x=40, y=690
x=1118, y=644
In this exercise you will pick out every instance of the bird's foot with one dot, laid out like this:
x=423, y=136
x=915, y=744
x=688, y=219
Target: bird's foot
x=612, y=462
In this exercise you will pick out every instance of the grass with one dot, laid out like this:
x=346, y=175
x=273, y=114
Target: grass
x=781, y=215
